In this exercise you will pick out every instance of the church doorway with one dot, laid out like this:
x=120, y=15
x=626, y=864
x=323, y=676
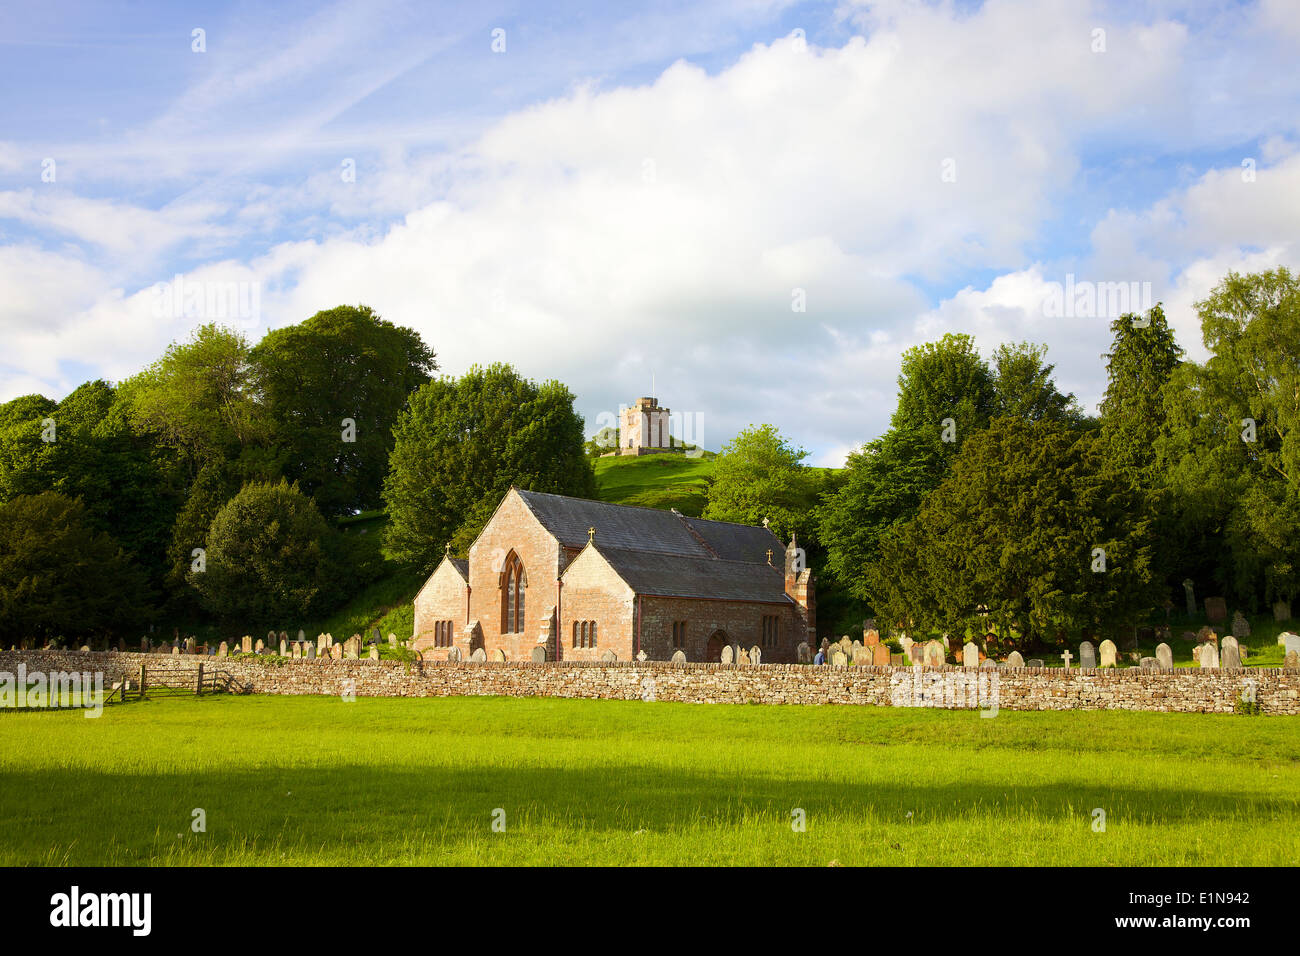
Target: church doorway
x=717, y=641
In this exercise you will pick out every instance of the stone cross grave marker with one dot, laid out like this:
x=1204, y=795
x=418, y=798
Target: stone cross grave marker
x=1066, y=657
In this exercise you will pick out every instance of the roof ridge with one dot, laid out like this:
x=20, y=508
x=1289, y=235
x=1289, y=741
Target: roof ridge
x=695, y=534
x=662, y=511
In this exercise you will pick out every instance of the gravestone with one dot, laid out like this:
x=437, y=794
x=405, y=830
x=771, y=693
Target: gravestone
x=479, y=656
x=223, y=649
x=1209, y=656
x=970, y=655
x=802, y=653
x=270, y=639
x=1034, y=662
x=538, y=654
x=755, y=655
x=679, y=657
x=1290, y=642
x=191, y=645
x=284, y=638
x=392, y=639
x=259, y=647
x=1231, y=654
x=144, y=645
x=1065, y=657
x=1087, y=655
x=743, y=656
x=284, y=648
x=905, y=643
x=933, y=654
x=871, y=638
x=374, y=652
x=296, y=650
x=897, y=660
x=499, y=656
x=609, y=657
x=1292, y=659
x=1207, y=635
x=1282, y=611
x=302, y=635
x=310, y=652
x=1148, y=663
x=246, y=645
x=1240, y=626
x=989, y=663
x=1216, y=609
x=376, y=637
x=839, y=659
x=916, y=653
x=726, y=656
x=176, y=649
x=1015, y=659
x=1165, y=656
x=861, y=653
x=880, y=655
x=1190, y=592
x=1108, y=651
x=453, y=655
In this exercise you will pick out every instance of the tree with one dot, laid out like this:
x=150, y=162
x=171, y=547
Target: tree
x=603, y=442
x=332, y=388
x=459, y=446
x=1023, y=386
x=944, y=380
x=1143, y=356
x=1033, y=531
x=267, y=557
x=1230, y=455
x=757, y=475
x=59, y=577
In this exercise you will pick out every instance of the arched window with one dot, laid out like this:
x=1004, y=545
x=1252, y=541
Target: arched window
x=593, y=633
x=514, y=585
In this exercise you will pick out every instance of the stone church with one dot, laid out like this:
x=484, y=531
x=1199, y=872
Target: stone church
x=587, y=581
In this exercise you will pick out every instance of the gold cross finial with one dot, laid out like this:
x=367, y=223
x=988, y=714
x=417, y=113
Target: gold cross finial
x=769, y=555
x=447, y=550
x=591, y=534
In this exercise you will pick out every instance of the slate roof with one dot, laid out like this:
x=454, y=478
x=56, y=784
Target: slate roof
x=672, y=575
x=461, y=565
x=629, y=528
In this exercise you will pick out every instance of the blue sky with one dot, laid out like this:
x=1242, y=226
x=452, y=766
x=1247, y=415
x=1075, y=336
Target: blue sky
x=628, y=190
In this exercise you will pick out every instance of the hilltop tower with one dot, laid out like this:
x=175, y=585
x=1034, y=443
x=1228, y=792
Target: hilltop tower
x=643, y=428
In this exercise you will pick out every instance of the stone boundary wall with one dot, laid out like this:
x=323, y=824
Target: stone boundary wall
x=1185, y=690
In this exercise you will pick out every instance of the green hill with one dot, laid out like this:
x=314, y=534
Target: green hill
x=656, y=481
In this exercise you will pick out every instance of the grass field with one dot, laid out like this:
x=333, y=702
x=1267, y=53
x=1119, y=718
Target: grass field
x=309, y=780
x=656, y=481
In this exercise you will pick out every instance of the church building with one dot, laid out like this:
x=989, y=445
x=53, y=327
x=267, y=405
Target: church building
x=588, y=581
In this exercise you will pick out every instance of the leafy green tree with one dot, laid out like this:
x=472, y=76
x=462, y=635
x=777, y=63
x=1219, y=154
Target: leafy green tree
x=1023, y=386
x=1010, y=538
x=459, y=446
x=944, y=380
x=332, y=388
x=1230, y=456
x=267, y=557
x=759, y=474
x=59, y=577
x=1143, y=357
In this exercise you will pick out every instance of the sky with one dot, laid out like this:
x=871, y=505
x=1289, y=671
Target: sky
x=756, y=205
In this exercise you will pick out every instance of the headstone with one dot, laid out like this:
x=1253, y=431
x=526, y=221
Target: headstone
x=246, y=645
x=176, y=649
x=743, y=656
x=392, y=639
x=970, y=655
x=905, y=643
x=1292, y=659
x=284, y=648
x=1087, y=655
x=871, y=638
x=1207, y=635
x=839, y=659
x=223, y=649
x=284, y=638
x=191, y=645
x=453, y=655
x=311, y=651
x=270, y=639
x=374, y=652
x=144, y=645
x=1034, y=662
x=259, y=647
x=880, y=655
x=336, y=652
x=916, y=653
x=1209, y=656
x=499, y=656
x=755, y=655
x=1014, y=659
x=1164, y=656
x=988, y=662
x=862, y=653
x=609, y=657
x=1108, y=651
x=933, y=654
x=1290, y=642
x=897, y=660
x=302, y=636
x=1148, y=663
x=802, y=653
x=1282, y=611
x=1231, y=654
x=479, y=656
x=1066, y=656
x=1216, y=609
x=376, y=637
x=726, y=654
x=1240, y=626
x=679, y=657
x=1189, y=591
x=295, y=650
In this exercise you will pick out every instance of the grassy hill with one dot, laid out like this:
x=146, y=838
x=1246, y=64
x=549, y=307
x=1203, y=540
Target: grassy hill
x=656, y=481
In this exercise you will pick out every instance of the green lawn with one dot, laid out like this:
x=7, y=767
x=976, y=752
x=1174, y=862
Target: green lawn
x=303, y=780
x=656, y=481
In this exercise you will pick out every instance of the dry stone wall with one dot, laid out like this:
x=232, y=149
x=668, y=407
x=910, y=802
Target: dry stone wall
x=1186, y=690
